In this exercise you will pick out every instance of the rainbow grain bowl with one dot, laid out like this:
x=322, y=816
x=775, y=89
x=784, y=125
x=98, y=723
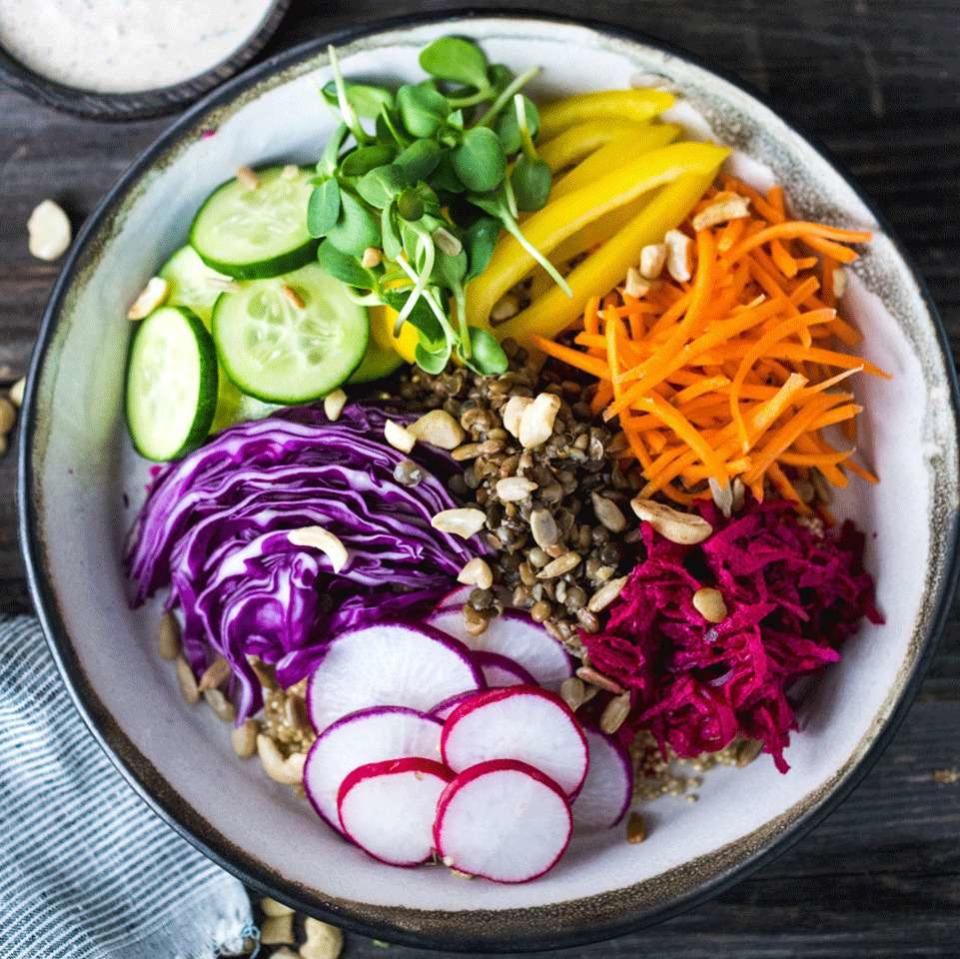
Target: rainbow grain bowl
x=607, y=600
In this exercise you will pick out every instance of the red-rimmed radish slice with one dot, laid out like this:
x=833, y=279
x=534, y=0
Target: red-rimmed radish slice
x=499, y=671
x=526, y=723
x=608, y=789
x=455, y=598
x=503, y=820
x=389, y=664
x=516, y=635
x=388, y=808
x=367, y=736
x=442, y=710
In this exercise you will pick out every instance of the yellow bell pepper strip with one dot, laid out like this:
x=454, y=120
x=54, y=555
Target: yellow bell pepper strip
x=616, y=153
x=635, y=105
x=604, y=269
x=599, y=231
x=580, y=141
x=562, y=218
x=382, y=319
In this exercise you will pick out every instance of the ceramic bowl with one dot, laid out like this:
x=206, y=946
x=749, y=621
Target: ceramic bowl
x=81, y=485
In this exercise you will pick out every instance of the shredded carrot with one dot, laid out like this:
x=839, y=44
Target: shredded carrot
x=734, y=373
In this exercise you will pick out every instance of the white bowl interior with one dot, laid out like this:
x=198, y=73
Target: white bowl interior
x=89, y=470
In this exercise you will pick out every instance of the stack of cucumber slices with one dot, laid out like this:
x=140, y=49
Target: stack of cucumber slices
x=250, y=321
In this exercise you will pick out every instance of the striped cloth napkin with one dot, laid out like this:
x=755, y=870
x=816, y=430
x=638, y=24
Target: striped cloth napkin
x=87, y=871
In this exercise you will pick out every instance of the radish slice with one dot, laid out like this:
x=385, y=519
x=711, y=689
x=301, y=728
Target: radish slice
x=388, y=808
x=442, y=710
x=389, y=664
x=502, y=820
x=367, y=736
x=455, y=599
x=608, y=789
x=499, y=671
x=516, y=635
x=522, y=722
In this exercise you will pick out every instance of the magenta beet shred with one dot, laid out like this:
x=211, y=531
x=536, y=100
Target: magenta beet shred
x=793, y=595
x=215, y=530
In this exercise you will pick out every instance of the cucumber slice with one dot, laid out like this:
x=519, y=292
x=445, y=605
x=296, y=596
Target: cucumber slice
x=255, y=233
x=282, y=353
x=192, y=283
x=171, y=384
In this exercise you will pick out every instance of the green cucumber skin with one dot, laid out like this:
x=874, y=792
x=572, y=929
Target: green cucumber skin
x=207, y=400
x=261, y=269
x=290, y=399
x=380, y=366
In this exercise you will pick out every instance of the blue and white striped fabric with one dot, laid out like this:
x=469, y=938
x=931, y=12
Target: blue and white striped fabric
x=87, y=871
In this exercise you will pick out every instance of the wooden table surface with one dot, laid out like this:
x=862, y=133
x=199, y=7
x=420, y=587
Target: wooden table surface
x=879, y=83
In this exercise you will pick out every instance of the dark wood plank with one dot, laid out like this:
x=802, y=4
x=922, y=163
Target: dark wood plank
x=879, y=83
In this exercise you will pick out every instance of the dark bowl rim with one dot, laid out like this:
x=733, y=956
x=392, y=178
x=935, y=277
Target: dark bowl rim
x=145, y=103
x=112, y=740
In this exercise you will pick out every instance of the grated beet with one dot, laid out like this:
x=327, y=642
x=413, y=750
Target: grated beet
x=793, y=596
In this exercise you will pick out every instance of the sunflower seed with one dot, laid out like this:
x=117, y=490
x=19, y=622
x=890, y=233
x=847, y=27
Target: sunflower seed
x=323, y=940
x=636, y=828
x=154, y=294
x=722, y=496
x=560, y=566
x=544, y=528
x=16, y=391
x=589, y=675
x=333, y=404
x=399, y=437
x=513, y=489
x=168, y=637
x=606, y=594
x=216, y=674
x=609, y=514
x=222, y=708
x=187, y=682
x=247, y=178
x=573, y=692
x=709, y=604
x=512, y=413
x=437, y=428
x=316, y=537
x=538, y=419
x=372, y=257
x=464, y=523
x=476, y=573
x=277, y=930
x=244, y=739
x=292, y=297
x=684, y=528
x=615, y=713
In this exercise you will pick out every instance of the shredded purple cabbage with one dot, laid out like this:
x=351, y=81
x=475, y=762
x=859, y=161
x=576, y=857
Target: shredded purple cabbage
x=214, y=529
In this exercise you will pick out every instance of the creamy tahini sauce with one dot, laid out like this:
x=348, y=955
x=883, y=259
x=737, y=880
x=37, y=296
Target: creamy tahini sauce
x=125, y=46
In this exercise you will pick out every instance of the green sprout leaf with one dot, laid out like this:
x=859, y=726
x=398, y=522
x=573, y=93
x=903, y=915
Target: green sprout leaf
x=456, y=60
x=344, y=268
x=365, y=159
x=392, y=244
x=479, y=161
x=356, y=229
x=323, y=208
x=508, y=127
x=366, y=100
x=382, y=185
x=479, y=241
x=419, y=159
x=433, y=362
x=423, y=111
x=486, y=353
x=531, y=181
x=328, y=162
